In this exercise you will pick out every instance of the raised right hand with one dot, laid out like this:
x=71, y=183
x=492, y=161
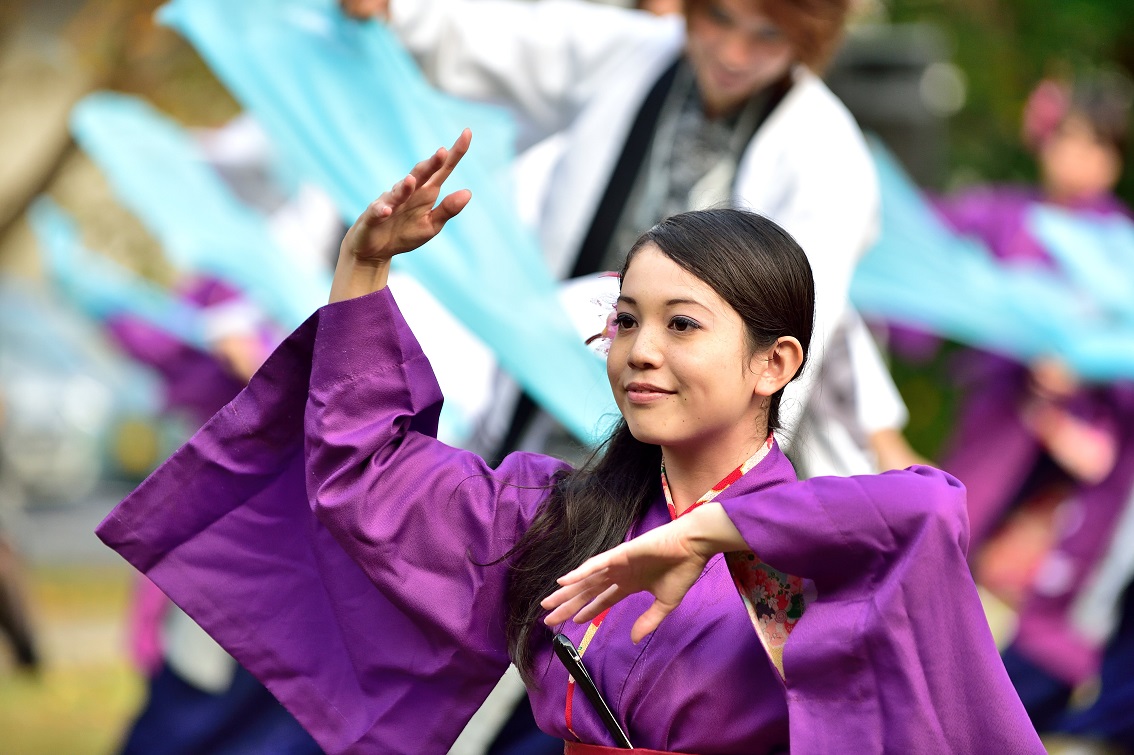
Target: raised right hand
x=404, y=217
x=400, y=220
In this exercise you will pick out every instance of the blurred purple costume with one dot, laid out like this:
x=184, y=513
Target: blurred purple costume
x=371, y=617
x=993, y=452
x=195, y=381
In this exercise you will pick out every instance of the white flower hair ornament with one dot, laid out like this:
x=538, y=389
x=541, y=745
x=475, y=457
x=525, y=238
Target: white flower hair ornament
x=590, y=302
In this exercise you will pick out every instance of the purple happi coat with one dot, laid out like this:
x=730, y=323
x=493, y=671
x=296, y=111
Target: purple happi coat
x=993, y=452
x=317, y=529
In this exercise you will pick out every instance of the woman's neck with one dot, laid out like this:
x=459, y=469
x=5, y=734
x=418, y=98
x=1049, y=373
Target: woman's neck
x=691, y=473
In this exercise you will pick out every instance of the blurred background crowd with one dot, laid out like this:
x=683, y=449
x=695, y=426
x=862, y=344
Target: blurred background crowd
x=123, y=329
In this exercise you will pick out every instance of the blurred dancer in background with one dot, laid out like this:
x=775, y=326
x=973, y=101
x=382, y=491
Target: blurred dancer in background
x=1036, y=434
x=634, y=118
x=15, y=618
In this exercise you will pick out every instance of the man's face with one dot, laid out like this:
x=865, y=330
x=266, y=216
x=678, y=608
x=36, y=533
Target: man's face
x=735, y=51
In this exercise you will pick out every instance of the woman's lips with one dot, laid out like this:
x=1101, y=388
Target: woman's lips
x=644, y=393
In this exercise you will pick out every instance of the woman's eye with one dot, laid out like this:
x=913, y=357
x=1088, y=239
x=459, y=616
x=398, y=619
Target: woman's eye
x=624, y=321
x=683, y=324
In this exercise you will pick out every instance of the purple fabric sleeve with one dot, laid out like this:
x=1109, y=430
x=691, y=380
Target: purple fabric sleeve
x=225, y=528
x=979, y=211
x=896, y=654
x=995, y=216
x=422, y=518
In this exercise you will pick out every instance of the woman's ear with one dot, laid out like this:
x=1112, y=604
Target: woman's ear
x=776, y=367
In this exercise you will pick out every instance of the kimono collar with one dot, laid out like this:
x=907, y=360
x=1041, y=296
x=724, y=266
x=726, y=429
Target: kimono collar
x=721, y=486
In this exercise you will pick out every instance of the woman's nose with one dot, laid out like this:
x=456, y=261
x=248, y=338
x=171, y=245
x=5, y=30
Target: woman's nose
x=645, y=351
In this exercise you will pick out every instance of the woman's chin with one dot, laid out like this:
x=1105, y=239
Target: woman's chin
x=650, y=435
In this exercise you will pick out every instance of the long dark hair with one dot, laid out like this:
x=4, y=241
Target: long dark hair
x=757, y=268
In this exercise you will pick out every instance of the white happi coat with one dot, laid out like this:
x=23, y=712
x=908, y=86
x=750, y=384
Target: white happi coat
x=575, y=75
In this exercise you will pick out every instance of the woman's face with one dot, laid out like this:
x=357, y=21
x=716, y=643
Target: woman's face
x=1077, y=166
x=735, y=52
x=679, y=364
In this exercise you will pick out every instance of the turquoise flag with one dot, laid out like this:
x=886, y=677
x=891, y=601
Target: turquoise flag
x=921, y=273
x=158, y=172
x=346, y=105
x=1096, y=253
x=99, y=287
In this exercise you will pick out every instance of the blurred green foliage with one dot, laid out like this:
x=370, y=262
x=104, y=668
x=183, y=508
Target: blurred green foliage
x=1004, y=48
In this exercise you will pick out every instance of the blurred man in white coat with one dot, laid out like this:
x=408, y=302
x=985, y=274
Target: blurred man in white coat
x=635, y=117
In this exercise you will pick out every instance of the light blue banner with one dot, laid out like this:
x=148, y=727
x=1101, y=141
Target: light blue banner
x=921, y=273
x=1096, y=253
x=99, y=287
x=345, y=103
x=157, y=171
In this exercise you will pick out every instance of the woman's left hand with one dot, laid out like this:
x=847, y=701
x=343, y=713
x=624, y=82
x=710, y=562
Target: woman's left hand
x=665, y=561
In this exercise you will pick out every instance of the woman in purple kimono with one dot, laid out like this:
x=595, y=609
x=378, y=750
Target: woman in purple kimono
x=379, y=582
x=1035, y=433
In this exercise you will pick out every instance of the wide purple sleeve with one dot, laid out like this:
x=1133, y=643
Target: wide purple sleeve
x=996, y=216
x=225, y=528
x=894, y=654
x=429, y=524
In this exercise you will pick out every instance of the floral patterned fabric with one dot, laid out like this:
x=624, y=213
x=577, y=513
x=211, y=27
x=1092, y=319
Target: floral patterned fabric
x=775, y=601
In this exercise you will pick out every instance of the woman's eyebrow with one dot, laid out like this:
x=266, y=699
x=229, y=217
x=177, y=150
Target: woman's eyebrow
x=672, y=302
x=669, y=302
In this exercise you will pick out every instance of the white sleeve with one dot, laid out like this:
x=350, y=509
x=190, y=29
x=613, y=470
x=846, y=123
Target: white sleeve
x=813, y=175
x=545, y=60
x=878, y=404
